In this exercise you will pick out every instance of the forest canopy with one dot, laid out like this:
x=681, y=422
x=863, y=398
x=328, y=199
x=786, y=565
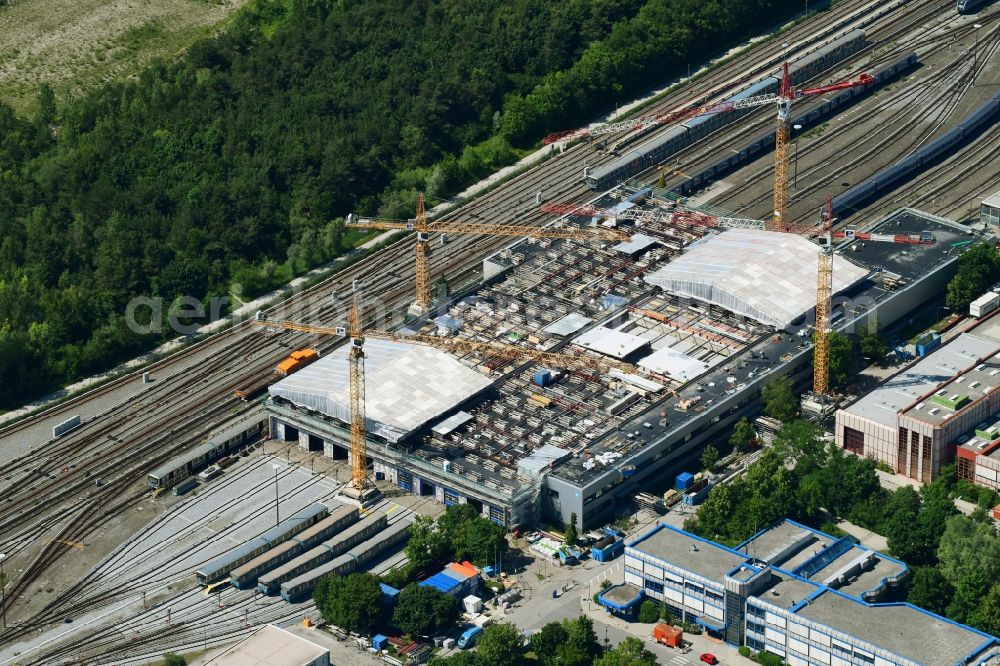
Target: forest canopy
x=233, y=164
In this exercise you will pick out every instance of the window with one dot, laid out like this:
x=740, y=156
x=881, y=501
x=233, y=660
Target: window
x=914, y=454
x=754, y=611
x=854, y=440
x=754, y=627
x=965, y=468
x=654, y=586
x=711, y=594
x=694, y=587
x=904, y=434
x=925, y=460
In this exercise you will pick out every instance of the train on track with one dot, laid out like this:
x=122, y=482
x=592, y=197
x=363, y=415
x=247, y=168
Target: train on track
x=246, y=575
x=349, y=562
x=681, y=136
x=889, y=178
x=187, y=465
x=218, y=570
x=828, y=106
x=269, y=581
x=966, y=6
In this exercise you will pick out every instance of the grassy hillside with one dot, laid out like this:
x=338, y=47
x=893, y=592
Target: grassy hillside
x=75, y=45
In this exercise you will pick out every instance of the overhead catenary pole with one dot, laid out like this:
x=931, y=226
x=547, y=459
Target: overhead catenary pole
x=277, y=516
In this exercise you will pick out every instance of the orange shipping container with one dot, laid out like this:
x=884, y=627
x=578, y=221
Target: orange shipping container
x=668, y=635
x=996, y=512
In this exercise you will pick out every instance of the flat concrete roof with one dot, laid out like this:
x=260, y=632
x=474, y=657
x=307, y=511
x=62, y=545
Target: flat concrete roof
x=622, y=594
x=765, y=275
x=866, y=581
x=269, y=646
x=904, y=389
x=969, y=386
x=704, y=558
x=909, y=261
x=992, y=200
x=785, y=545
x=786, y=591
x=899, y=628
x=406, y=385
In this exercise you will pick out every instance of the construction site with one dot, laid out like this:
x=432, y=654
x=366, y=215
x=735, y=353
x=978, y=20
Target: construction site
x=581, y=371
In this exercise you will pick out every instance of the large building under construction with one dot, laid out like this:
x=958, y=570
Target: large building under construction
x=707, y=315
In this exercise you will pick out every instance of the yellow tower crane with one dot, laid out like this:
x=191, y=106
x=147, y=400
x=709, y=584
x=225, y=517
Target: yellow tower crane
x=423, y=228
x=824, y=295
x=360, y=483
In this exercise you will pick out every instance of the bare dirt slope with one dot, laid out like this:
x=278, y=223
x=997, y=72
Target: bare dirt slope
x=76, y=44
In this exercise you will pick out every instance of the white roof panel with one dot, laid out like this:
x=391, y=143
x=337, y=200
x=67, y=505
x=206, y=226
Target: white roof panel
x=567, y=325
x=610, y=342
x=668, y=361
x=637, y=243
x=765, y=275
x=406, y=385
x=992, y=200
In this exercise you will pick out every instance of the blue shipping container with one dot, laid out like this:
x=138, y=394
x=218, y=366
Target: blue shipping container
x=684, y=481
x=543, y=377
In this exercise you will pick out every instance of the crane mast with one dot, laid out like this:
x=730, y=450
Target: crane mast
x=824, y=293
x=780, y=220
x=356, y=361
x=423, y=297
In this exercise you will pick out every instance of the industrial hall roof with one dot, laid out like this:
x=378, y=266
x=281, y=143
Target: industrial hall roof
x=765, y=275
x=406, y=386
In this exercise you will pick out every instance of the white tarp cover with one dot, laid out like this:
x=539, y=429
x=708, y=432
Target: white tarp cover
x=765, y=275
x=668, y=361
x=406, y=385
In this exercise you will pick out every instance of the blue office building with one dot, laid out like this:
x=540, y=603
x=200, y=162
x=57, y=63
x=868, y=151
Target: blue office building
x=811, y=598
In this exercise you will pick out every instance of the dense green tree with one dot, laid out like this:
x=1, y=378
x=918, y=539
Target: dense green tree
x=779, y=401
x=649, y=611
x=709, y=458
x=472, y=536
x=978, y=269
x=426, y=545
x=931, y=590
x=873, y=345
x=501, y=645
x=171, y=659
x=841, y=358
x=904, y=533
x=967, y=547
x=630, y=652
x=987, y=616
x=421, y=610
x=352, y=602
x=743, y=435
x=581, y=639
x=969, y=594
x=571, y=534
x=546, y=641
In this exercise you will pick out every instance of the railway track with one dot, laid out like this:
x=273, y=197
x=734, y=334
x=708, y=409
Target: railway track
x=388, y=277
